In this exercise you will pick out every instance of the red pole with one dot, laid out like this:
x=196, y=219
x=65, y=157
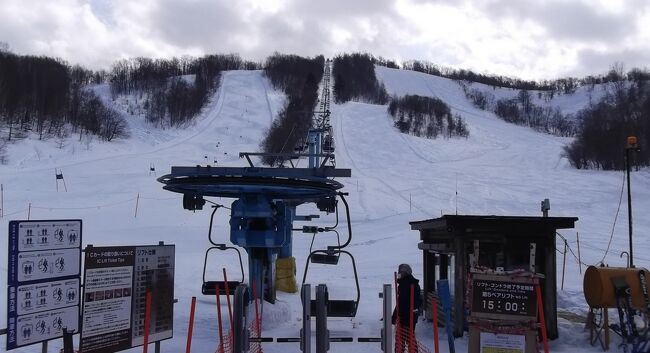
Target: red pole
x=225, y=280
x=540, y=309
x=190, y=326
x=219, y=319
x=258, y=321
x=147, y=314
x=434, y=312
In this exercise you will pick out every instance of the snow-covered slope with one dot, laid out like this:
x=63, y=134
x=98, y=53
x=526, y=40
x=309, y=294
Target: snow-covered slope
x=500, y=169
x=403, y=82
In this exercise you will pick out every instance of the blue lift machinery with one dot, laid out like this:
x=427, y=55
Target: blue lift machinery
x=262, y=215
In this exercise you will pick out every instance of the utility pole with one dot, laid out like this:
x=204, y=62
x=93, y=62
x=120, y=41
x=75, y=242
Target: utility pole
x=631, y=146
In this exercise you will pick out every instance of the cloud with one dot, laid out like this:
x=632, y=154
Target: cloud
x=603, y=60
x=570, y=20
x=526, y=38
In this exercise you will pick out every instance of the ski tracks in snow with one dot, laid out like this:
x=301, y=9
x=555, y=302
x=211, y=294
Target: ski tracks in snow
x=203, y=126
x=342, y=118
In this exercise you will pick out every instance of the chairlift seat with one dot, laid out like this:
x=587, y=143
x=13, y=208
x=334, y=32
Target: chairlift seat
x=337, y=308
x=210, y=287
x=326, y=259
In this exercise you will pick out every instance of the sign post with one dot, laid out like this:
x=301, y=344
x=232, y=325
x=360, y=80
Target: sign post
x=117, y=280
x=43, y=280
x=503, y=313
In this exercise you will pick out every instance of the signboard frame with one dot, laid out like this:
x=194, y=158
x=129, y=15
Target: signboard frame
x=45, y=269
x=503, y=297
x=116, y=281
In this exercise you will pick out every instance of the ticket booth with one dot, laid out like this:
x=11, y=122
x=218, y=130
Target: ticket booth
x=455, y=247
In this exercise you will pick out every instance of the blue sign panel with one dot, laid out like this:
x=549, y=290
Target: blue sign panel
x=44, y=272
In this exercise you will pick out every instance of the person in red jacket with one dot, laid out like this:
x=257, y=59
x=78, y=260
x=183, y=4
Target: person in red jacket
x=403, y=314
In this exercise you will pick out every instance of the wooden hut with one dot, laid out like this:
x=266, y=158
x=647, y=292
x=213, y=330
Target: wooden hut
x=504, y=243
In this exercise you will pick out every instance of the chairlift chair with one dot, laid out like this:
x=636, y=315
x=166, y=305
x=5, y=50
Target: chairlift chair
x=336, y=308
x=329, y=256
x=328, y=145
x=219, y=287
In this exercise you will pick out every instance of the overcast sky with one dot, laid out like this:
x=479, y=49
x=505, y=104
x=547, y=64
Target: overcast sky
x=530, y=39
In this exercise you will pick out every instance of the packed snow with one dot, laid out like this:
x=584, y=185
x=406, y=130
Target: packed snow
x=501, y=169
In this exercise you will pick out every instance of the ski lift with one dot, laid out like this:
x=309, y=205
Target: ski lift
x=331, y=256
x=219, y=287
x=300, y=148
x=328, y=145
x=337, y=308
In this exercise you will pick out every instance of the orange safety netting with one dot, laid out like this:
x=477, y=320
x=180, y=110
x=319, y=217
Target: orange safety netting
x=255, y=330
x=406, y=342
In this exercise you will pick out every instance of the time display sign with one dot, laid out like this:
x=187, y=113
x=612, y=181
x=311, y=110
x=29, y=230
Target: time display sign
x=503, y=296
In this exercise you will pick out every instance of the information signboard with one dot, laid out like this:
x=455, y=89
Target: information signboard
x=502, y=343
x=43, y=280
x=503, y=297
x=116, y=282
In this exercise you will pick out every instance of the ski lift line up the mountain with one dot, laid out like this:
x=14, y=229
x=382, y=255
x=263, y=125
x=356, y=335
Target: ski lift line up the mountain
x=319, y=138
x=264, y=209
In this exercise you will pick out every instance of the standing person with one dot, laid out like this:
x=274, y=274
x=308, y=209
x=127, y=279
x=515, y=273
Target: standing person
x=402, y=314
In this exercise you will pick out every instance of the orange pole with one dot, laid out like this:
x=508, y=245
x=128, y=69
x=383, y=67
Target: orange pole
x=225, y=280
x=147, y=314
x=190, y=327
x=258, y=321
x=434, y=309
x=540, y=309
x=219, y=319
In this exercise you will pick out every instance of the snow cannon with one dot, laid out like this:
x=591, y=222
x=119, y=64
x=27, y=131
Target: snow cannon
x=605, y=287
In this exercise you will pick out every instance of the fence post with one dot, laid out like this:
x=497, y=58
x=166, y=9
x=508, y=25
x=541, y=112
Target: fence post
x=542, y=320
x=434, y=312
x=67, y=341
x=147, y=314
x=219, y=325
x=188, y=346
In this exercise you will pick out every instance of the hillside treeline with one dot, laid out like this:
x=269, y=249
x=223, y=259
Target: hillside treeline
x=47, y=96
x=605, y=126
x=426, y=117
x=354, y=79
x=298, y=77
x=175, y=90
x=521, y=110
x=566, y=85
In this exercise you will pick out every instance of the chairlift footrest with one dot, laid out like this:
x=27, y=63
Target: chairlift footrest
x=210, y=287
x=325, y=259
x=337, y=308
